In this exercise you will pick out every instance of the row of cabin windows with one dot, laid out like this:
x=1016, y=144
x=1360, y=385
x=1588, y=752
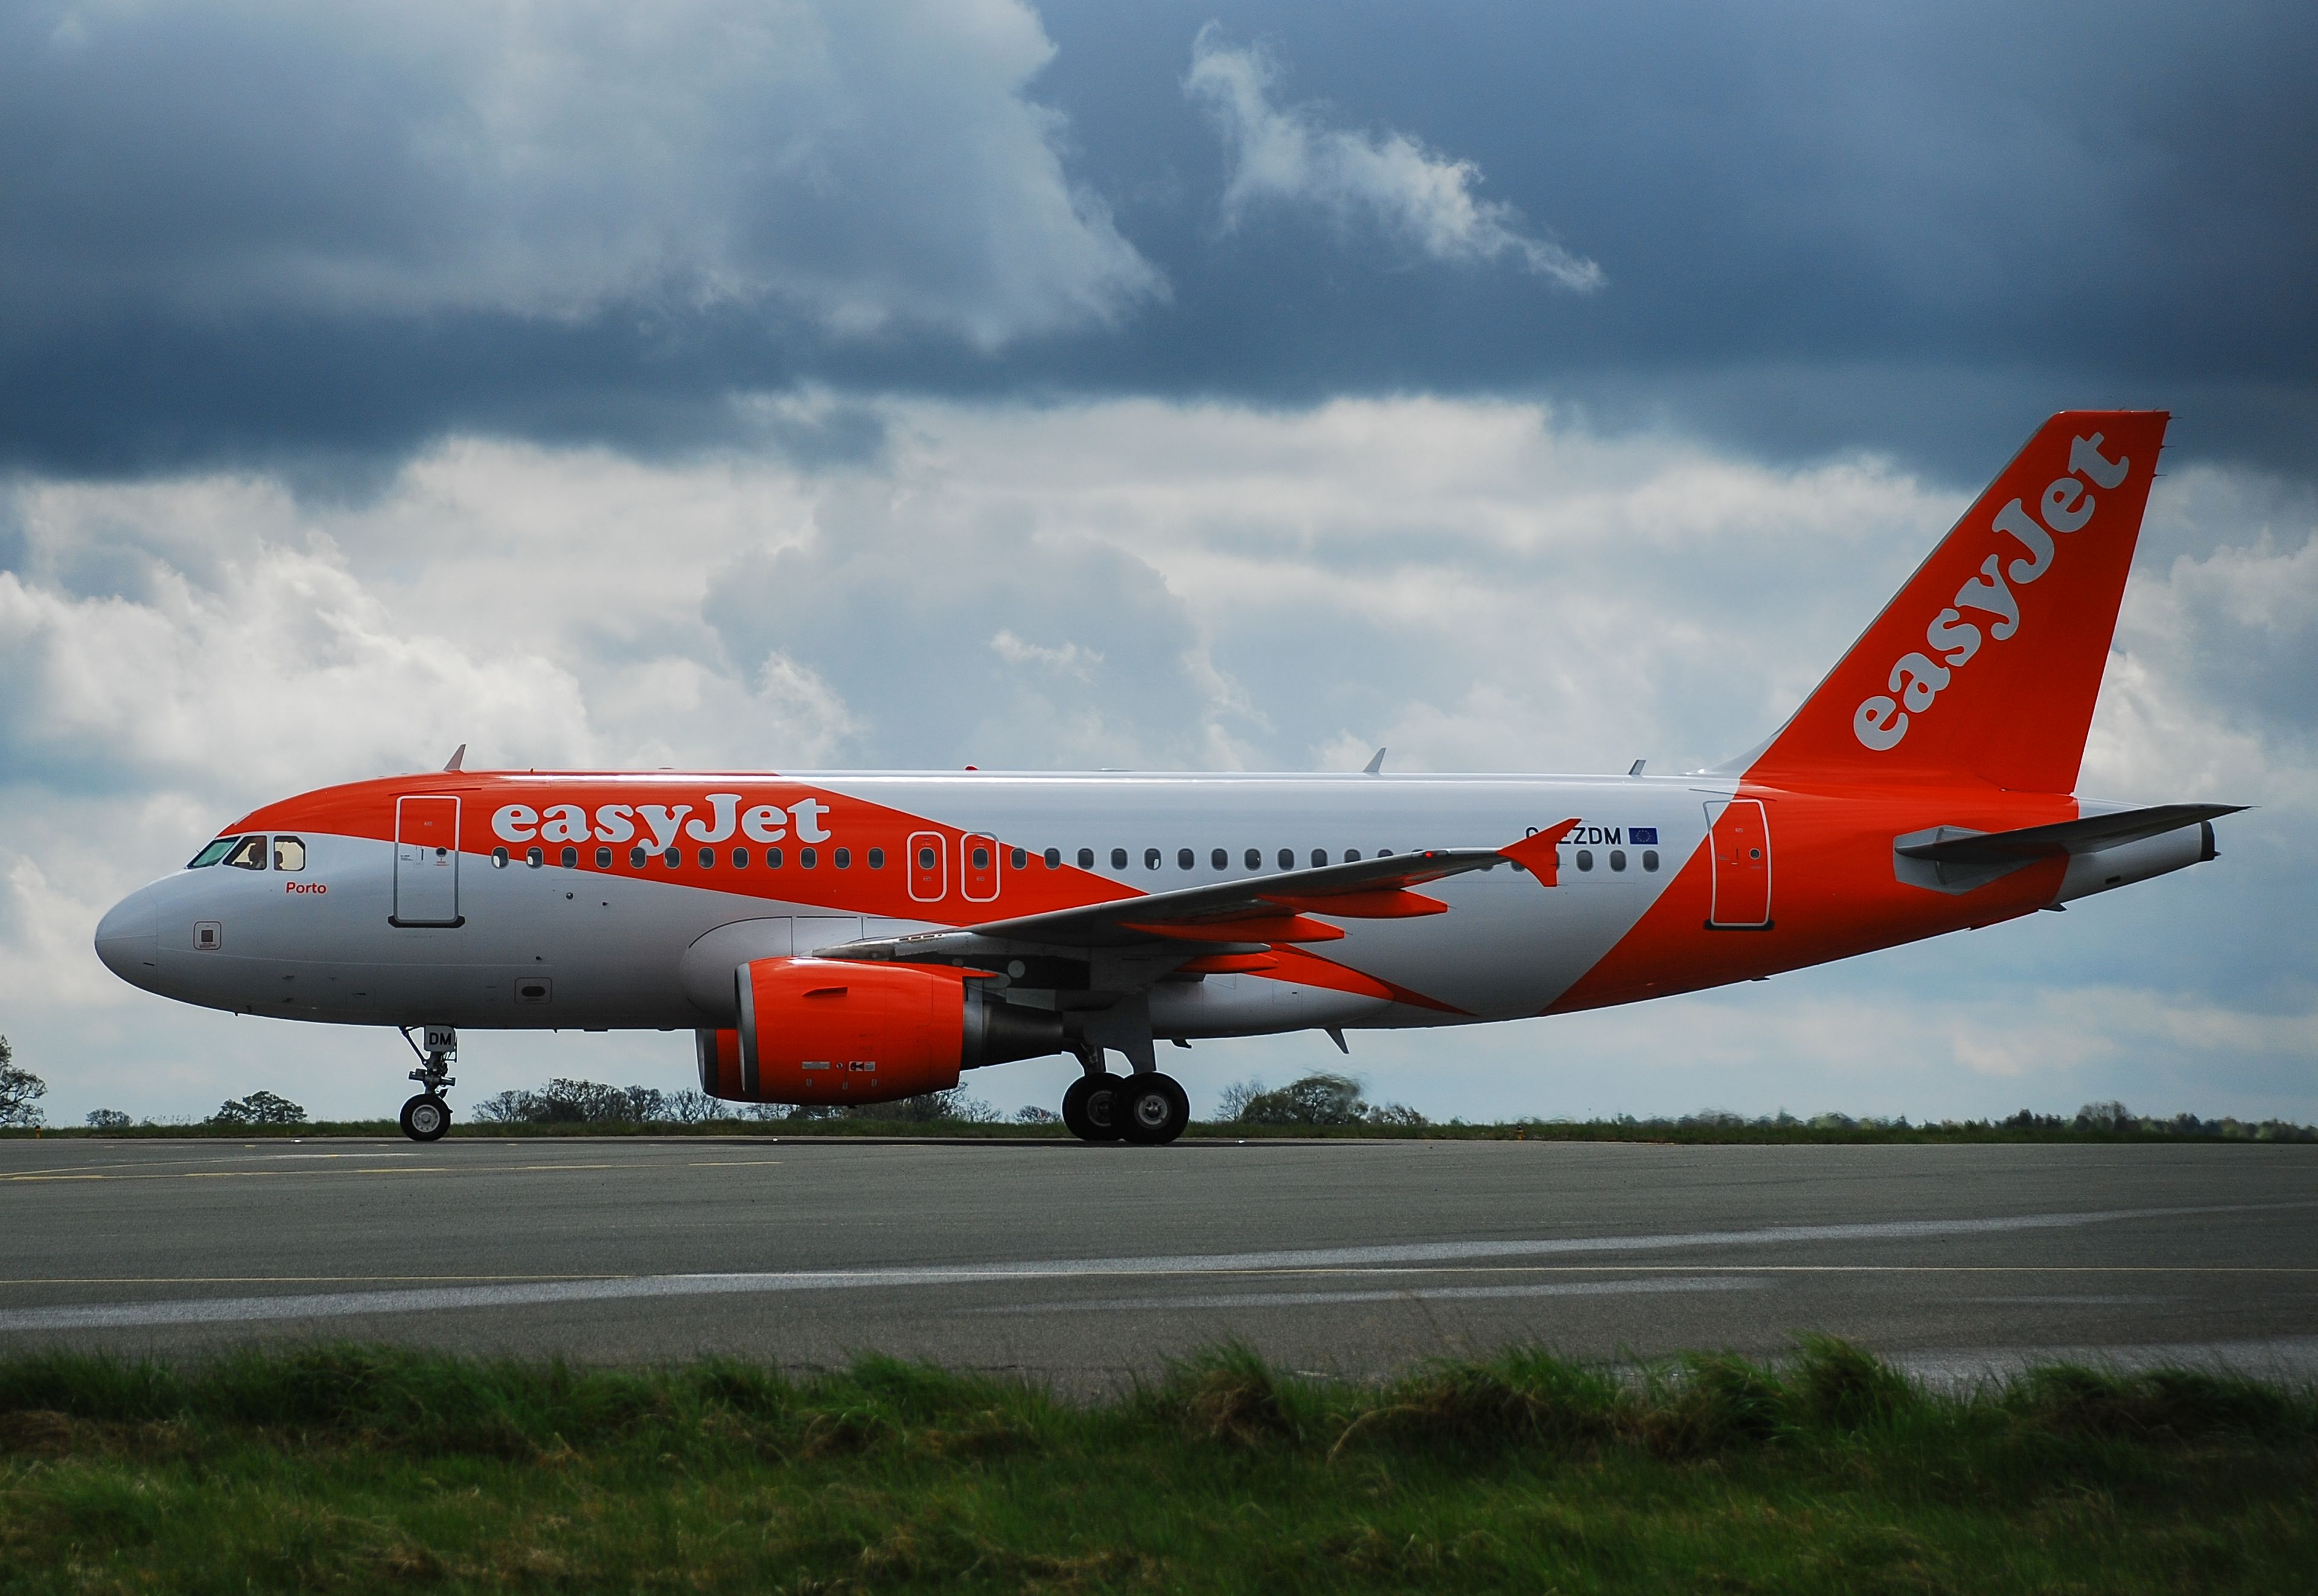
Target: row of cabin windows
x=1585, y=860
x=251, y=852
x=807, y=858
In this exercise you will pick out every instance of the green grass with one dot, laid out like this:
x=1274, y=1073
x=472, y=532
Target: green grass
x=356, y=1468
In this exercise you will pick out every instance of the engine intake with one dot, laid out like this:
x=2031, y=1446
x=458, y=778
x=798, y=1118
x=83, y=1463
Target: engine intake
x=833, y=1031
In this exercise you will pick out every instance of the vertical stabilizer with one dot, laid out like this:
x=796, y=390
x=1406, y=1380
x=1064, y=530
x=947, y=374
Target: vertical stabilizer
x=1985, y=666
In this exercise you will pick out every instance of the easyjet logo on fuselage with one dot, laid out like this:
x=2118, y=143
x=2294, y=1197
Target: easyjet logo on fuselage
x=1917, y=678
x=726, y=815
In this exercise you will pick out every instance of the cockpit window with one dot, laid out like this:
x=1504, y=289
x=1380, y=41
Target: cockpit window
x=213, y=854
x=289, y=853
x=248, y=854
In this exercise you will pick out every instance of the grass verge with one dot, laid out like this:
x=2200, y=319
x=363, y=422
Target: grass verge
x=358, y=1467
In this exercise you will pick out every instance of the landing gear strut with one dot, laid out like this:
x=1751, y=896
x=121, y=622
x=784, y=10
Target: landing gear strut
x=427, y=1117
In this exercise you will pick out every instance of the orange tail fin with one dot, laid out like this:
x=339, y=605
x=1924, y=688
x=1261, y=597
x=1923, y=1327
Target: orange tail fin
x=1986, y=665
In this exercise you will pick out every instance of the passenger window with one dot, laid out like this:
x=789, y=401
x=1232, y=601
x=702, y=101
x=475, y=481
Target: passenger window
x=1220, y=859
x=926, y=858
x=635, y=859
x=1255, y=858
x=1288, y=858
x=1086, y=858
x=1586, y=858
x=1151, y=858
x=1119, y=858
x=603, y=858
x=289, y=854
x=211, y=853
x=708, y=858
x=1352, y=856
x=1183, y=857
x=1649, y=858
x=499, y=858
x=673, y=857
x=842, y=859
x=807, y=858
x=571, y=857
x=772, y=858
x=1017, y=860
x=1617, y=858
x=876, y=858
x=533, y=857
x=1319, y=857
x=739, y=858
x=248, y=854
x=980, y=856
x=1054, y=859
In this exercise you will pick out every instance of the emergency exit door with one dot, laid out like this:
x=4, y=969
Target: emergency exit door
x=1741, y=839
x=426, y=862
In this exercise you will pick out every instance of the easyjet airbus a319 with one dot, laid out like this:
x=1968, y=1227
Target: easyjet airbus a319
x=848, y=938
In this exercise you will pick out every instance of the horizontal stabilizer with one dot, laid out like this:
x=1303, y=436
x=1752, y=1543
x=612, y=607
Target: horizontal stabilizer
x=1950, y=844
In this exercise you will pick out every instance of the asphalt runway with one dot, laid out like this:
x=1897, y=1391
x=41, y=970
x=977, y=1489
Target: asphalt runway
x=1089, y=1266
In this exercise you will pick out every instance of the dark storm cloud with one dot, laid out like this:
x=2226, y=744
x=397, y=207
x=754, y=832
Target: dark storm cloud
x=236, y=234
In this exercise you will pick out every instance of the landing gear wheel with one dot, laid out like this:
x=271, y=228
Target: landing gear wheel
x=1151, y=1111
x=425, y=1117
x=1090, y=1108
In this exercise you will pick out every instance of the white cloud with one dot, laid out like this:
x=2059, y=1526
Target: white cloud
x=1287, y=157
x=854, y=163
x=1476, y=585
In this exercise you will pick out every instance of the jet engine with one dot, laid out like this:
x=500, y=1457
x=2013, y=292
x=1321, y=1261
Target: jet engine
x=832, y=1031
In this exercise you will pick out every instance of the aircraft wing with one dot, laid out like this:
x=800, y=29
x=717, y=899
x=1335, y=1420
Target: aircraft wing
x=1250, y=913
x=2091, y=834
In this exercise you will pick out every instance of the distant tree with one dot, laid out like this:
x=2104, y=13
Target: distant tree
x=259, y=1108
x=19, y=1090
x=2106, y=1117
x=1031, y=1114
x=1315, y=1099
x=107, y=1119
x=1233, y=1104
x=2028, y=1119
x=693, y=1107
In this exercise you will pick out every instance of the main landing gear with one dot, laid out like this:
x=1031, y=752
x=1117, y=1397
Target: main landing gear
x=1145, y=1108
x=427, y=1117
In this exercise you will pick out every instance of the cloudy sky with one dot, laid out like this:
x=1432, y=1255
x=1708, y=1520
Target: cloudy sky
x=794, y=383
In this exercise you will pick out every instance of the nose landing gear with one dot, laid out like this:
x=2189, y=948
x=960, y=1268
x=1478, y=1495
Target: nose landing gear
x=427, y=1117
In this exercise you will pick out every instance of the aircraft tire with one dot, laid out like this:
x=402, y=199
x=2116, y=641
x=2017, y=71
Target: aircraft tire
x=1082, y=1111
x=425, y=1117
x=1151, y=1111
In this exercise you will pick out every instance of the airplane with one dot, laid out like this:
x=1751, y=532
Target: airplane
x=855, y=938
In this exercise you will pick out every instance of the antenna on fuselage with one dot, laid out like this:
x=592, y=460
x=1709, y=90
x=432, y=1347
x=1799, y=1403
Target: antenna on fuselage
x=458, y=755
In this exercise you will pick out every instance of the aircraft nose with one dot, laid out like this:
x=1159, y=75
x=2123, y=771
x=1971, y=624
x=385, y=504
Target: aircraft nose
x=129, y=939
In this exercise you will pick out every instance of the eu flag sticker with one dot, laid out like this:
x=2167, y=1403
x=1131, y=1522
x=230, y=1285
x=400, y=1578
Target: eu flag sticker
x=1642, y=836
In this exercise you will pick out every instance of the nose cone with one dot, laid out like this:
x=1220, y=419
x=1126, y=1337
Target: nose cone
x=129, y=939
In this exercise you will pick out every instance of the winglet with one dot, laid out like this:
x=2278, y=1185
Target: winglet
x=1375, y=765
x=458, y=755
x=1539, y=853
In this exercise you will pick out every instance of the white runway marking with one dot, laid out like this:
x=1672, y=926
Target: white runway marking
x=437, y=1299
x=1307, y=1299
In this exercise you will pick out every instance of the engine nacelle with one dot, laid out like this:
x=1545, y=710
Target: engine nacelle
x=834, y=1031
